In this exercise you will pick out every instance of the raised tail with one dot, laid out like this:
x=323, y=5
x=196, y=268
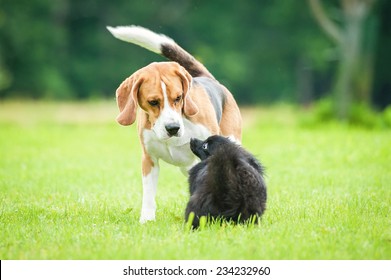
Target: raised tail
x=160, y=44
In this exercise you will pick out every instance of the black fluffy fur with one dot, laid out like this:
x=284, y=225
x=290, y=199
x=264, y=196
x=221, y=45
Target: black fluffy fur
x=228, y=183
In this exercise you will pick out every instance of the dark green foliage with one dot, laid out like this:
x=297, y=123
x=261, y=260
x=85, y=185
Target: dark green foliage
x=361, y=115
x=262, y=51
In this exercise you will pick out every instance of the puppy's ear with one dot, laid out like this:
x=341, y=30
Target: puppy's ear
x=126, y=95
x=189, y=107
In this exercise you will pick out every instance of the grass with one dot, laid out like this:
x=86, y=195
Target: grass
x=70, y=188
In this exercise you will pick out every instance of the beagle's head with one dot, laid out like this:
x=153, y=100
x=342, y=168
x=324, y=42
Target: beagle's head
x=162, y=91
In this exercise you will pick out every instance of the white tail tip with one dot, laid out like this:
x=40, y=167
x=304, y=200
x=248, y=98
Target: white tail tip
x=140, y=36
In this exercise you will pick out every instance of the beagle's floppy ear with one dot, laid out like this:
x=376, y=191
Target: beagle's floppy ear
x=189, y=107
x=127, y=99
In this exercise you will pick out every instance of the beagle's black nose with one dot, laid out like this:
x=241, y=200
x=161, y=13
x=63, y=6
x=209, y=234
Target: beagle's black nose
x=172, y=129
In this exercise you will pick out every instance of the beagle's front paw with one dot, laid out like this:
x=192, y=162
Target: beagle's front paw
x=147, y=215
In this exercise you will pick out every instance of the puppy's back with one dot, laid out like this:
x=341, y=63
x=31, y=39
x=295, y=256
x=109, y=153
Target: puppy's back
x=236, y=179
x=229, y=184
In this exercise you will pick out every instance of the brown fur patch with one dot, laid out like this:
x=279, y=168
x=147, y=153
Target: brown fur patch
x=231, y=120
x=206, y=116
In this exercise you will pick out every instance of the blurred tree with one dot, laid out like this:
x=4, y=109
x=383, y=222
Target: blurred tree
x=355, y=38
x=61, y=49
x=382, y=77
x=33, y=48
x=263, y=51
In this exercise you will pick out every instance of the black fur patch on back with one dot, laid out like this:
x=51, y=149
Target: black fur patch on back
x=177, y=54
x=216, y=94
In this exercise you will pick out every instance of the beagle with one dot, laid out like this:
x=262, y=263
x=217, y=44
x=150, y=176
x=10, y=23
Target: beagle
x=175, y=101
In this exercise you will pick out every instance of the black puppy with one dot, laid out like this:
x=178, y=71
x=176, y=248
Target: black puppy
x=228, y=183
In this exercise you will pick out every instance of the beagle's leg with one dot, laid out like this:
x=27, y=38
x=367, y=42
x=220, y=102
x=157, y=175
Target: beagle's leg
x=150, y=170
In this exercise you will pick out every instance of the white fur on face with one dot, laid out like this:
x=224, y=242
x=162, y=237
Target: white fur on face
x=167, y=116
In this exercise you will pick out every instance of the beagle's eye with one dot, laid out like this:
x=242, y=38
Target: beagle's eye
x=153, y=103
x=205, y=146
x=178, y=99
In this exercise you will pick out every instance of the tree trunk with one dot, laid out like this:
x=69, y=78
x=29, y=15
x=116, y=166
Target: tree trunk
x=350, y=51
x=354, y=76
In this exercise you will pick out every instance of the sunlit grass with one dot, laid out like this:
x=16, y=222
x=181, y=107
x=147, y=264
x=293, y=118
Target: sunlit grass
x=70, y=188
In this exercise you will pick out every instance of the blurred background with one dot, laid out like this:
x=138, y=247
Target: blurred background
x=264, y=51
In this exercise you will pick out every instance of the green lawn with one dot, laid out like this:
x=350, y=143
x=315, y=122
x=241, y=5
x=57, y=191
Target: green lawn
x=70, y=188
